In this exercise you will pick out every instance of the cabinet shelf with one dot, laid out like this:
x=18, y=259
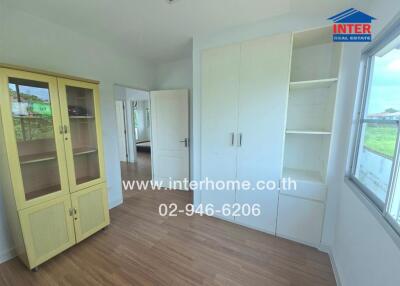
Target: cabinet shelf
x=37, y=158
x=84, y=151
x=48, y=156
x=31, y=117
x=308, y=132
x=42, y=192
x=81, y=117
x=302, y=175
x=319, y=83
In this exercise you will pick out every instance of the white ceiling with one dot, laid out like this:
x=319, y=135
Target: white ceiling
x=157, y=30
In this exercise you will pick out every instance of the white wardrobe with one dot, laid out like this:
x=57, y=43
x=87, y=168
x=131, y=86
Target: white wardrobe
x=244, y=99
x=267, y=109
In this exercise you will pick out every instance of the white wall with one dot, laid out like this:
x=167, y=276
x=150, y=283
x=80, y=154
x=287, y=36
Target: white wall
x=174, y=75
x=178, y=75
x=33, y=42
x=366, y=250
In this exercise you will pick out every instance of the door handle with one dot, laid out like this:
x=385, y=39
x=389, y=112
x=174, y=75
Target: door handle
x=75, y=214
x=240, y=140
x=65, y=129
x=186, y=141
x=233, y=139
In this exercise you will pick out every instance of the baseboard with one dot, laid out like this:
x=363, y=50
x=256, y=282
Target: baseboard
x=328, y=250
x=7, y=255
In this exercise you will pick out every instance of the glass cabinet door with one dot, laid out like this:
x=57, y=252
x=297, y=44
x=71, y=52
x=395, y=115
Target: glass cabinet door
x=81, y=118
x=38, y=170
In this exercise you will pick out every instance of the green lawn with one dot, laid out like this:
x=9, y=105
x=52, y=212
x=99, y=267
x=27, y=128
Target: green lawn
x=381, y=138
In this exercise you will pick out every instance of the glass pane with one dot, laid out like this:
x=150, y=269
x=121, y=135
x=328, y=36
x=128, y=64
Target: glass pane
x=375, y=157
x=383, y=101
x=83, y=133
x=394, y=209
x=34, y=130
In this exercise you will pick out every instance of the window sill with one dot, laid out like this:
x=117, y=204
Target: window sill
x=376, y=212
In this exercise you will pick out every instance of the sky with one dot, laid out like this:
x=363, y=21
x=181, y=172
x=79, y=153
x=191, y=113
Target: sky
x=385, y=85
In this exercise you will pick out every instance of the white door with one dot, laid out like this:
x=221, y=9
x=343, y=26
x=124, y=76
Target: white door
x=170, y=135
x=219, y=107
x=264, y=81
x=119, y=105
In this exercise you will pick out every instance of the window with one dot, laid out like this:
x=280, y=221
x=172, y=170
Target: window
x=375, y=167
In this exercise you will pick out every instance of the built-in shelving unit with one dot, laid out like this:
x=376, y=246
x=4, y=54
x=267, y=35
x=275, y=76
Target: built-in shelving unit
x=311, y=104
x=312, y=94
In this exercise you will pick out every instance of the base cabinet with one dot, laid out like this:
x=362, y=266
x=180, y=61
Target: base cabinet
x=90, y=208
x=48, y=229
x=52, y=227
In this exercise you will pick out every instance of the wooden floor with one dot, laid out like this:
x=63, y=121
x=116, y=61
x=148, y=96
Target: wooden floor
x=142, y=248
x=140, y=170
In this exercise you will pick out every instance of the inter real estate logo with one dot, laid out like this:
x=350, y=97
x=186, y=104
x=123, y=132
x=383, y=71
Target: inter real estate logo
x=352, y=26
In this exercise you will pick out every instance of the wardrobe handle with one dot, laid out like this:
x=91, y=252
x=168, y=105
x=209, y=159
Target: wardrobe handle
x=240, y=140
x=233, y=139
x=65, y=129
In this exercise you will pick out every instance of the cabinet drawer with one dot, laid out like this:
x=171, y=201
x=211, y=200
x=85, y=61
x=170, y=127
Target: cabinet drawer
x=308, y=190
x=300, y=219
x=47, y=229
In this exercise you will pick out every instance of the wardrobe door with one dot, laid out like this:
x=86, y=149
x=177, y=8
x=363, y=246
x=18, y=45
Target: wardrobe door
x=264, y=84
x=219, y=105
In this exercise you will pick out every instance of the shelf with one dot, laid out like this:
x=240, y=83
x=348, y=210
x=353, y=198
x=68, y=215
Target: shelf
x=81, y=117
x=37, y=158
x=84, y=151
x=319, y=83
x=302, y=175
x=308, y=132
x=48, y=156
x=86, y=179
x=31, y=117
x=312, y=37
x=42, y=192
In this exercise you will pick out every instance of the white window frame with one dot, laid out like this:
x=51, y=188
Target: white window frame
x=391, y=32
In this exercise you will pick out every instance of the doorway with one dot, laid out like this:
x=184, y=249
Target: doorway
x=153, y=131
x=134, y=134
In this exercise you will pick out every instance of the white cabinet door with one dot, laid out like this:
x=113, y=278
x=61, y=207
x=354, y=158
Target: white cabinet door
x=264, y=81
x=219, y=105
x=300, y=220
